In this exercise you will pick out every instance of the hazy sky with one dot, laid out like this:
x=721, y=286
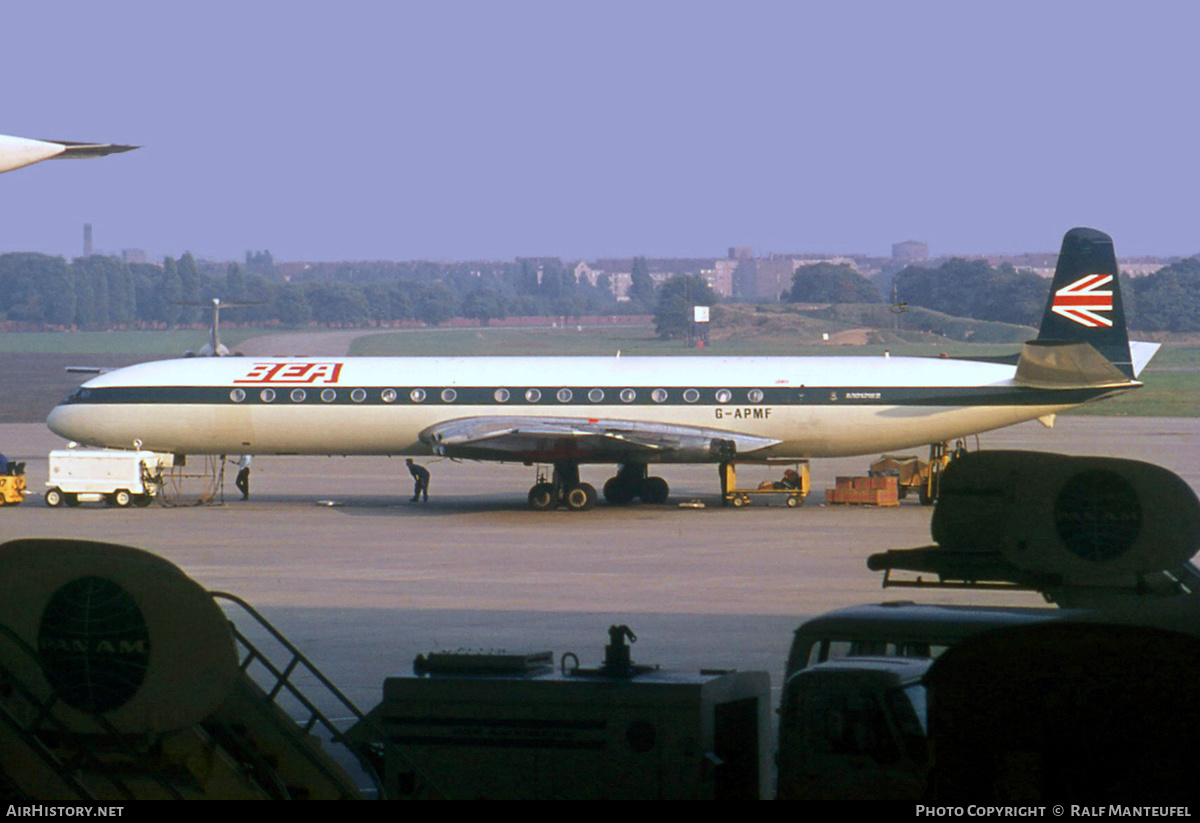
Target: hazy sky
x=457, y=130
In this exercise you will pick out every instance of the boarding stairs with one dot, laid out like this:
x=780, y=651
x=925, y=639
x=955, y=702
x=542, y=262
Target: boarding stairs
x=250, y=747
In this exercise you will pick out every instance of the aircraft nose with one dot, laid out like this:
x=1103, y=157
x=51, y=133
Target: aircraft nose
x=54, y=420
x=63, y=423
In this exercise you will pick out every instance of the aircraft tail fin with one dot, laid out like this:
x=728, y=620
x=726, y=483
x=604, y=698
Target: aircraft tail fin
x=1085, y=304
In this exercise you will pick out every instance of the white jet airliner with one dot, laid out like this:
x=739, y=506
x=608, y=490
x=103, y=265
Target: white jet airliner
x=16, y=152
x=629, y=411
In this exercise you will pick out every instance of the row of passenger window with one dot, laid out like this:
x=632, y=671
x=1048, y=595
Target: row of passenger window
x=499, y=395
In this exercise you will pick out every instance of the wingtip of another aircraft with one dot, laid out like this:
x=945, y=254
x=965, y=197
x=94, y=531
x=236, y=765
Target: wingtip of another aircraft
x=73, y=149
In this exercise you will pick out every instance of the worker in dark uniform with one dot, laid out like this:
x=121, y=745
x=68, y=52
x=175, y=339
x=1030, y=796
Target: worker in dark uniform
x=243, y=476
x=791, y=480
x=421, y=481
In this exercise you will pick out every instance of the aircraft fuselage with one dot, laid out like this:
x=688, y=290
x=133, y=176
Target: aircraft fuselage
x=813, y=406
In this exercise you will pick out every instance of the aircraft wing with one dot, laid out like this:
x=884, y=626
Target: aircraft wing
x=545, y=439
x=72, y=150
x=16, y=152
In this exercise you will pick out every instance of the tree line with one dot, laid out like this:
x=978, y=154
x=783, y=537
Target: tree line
x=41, y=291
x=1167, y=300
x=101, y=292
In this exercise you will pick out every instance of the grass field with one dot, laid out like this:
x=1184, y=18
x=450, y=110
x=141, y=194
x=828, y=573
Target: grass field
x=633, y=341
x=151, y=344
x=33, y=376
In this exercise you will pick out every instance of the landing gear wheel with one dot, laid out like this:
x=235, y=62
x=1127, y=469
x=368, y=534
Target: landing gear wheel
x=581, y=497
x=54, y=497
x=617, y=492
x=541, y=497
x=655, y=490
x=927, y=493
x=121, y=498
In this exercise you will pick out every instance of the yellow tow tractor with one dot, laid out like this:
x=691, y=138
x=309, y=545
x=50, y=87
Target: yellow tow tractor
x=12, y=485
x=913, y=474
x=794, y=486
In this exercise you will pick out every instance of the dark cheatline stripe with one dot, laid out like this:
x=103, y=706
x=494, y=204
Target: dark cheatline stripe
x=548, y=396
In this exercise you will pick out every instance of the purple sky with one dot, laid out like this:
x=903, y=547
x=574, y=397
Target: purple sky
x=449, y=130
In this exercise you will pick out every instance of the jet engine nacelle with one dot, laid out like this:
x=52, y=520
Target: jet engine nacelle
x=1087, y=519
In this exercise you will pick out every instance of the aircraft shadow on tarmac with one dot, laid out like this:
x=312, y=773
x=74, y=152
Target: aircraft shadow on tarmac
x=456, y=506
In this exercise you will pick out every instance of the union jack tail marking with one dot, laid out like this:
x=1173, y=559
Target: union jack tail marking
x=1081, y=300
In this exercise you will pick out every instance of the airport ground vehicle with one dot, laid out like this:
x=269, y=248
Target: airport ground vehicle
x=901, y=629
x=12, y=489
x=911, y=473
x=119, y=478
x=852, y=719
x=854, y=727
x=792, y=489
x=1094, y=707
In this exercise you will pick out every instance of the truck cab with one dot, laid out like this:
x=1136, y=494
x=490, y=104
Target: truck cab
x=854, y=728
x=901, y=629
x=852, y=719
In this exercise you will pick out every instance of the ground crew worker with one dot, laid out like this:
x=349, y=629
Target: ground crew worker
x=243, y=476
x=791, y=480
x=421, y=481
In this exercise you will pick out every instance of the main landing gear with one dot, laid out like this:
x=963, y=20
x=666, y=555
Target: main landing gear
x=565, y=489
x=632, y=481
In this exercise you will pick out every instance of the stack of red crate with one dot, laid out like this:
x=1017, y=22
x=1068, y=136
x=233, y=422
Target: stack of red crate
x=864, y=491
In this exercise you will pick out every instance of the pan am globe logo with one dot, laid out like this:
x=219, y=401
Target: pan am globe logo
x=1098, y=515
x=94, y=645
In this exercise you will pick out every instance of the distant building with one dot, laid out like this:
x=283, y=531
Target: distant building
x=720, y=277
x=741, y=253
x=133, y=255
x=585, y=272
x=1140, y=266
x=910, y=251
x=766, y=279
x=773, y=277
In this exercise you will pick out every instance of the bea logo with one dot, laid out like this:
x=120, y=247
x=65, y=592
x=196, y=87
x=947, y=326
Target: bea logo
x=292, y=373
x=1083, y=300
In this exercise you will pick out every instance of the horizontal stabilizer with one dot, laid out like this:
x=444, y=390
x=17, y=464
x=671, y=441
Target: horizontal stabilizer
x=1066, y=365
x=1141, y=353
